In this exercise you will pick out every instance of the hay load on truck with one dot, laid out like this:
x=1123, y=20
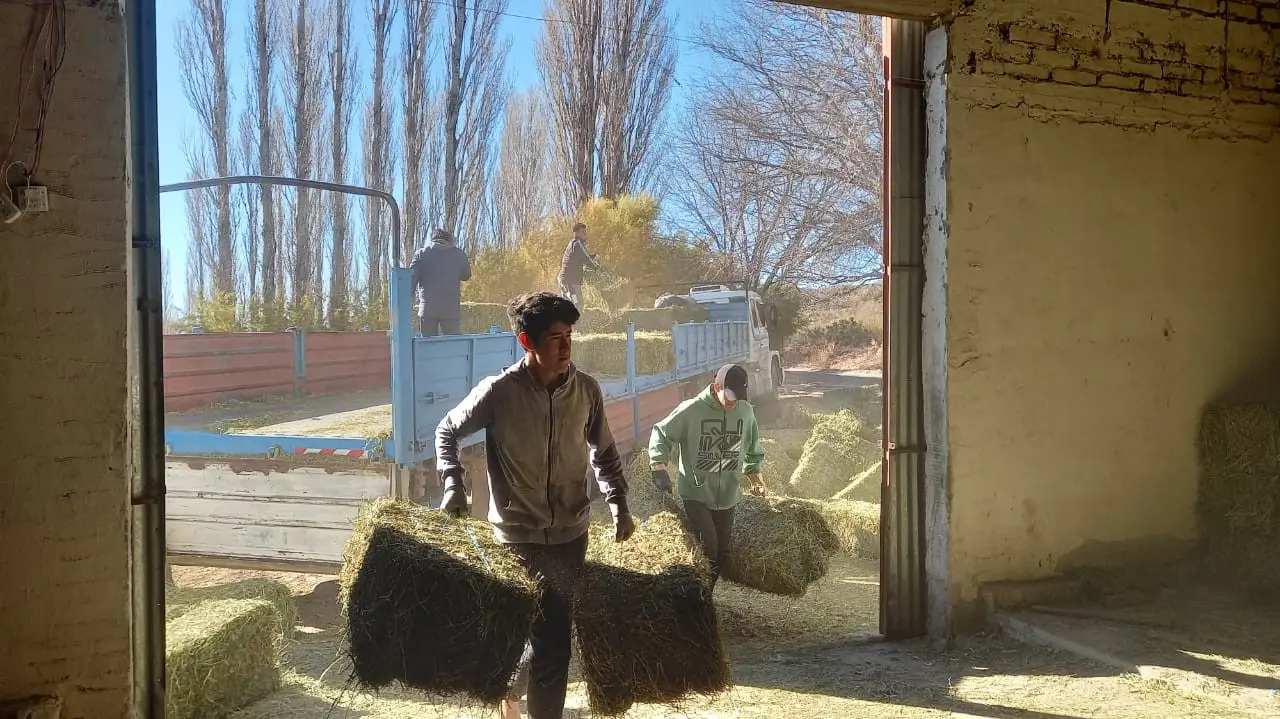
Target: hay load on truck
x=733, y=302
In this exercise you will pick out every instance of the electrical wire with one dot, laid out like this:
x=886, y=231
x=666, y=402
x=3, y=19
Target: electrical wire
x=43, y=54
x=674, y=38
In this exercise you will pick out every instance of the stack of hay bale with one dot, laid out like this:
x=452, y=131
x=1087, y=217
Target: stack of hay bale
x=606, y=354
x=223, y=646
x=1239, y=498
x=646, y=626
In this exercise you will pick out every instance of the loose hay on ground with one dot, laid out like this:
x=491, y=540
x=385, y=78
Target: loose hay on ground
x=647, y=629
x=414, y=578
x=856, y=524
x=221, y=655
x=1239, y=497
x=780, y=546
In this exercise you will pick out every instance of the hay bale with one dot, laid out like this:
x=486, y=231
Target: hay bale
x=778, y=466
x=855, y=524
x=433, y=605
x=222, y=655
x=823, y=470
x=647, y=630
x=843, y=427
x=865, y=487
x=643, y=499
x=478, y=317
x=780, y=546
x=1239, y=493
x=605, y=355
x=792, y=415
x=178, y=601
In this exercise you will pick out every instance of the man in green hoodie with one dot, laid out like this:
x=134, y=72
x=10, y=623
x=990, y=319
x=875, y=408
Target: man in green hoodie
x=719, y=443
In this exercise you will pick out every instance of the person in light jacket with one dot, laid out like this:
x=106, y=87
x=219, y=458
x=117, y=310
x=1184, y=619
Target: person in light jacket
x=539, y=417
x=439, y=269
x=719, y=443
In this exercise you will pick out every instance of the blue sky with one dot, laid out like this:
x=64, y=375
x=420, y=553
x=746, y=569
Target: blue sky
x=177, y=120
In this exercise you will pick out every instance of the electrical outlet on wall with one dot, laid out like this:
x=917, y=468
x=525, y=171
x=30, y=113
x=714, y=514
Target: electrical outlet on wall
x=33, y=198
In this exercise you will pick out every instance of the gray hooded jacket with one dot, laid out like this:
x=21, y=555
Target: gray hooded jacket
x=439, y=269
x=536, y=447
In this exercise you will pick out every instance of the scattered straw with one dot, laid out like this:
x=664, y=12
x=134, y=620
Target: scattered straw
x=646, y=626
x=1239, y=502
x=434, y=603
x=856, y=524
x=780, y=546
x=221, y=655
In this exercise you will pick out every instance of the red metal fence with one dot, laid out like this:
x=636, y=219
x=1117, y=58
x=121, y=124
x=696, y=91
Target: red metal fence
x=203, y=369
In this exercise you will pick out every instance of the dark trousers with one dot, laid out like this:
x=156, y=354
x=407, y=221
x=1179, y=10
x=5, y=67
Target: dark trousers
x=436, y=326
x=544, y=668
x=713, y=528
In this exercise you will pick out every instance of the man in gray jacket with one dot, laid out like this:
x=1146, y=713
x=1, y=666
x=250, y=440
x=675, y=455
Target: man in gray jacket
x=539, y=416
x=439, y=269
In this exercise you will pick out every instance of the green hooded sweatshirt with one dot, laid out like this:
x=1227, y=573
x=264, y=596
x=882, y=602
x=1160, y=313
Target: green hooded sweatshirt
x=717, y=448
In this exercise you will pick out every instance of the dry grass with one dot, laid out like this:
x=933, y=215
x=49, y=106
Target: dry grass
x=221, y=655
x=415, y=578
x=856, y=524
x=780, y=546
x=1239, y=502
x=646, y=627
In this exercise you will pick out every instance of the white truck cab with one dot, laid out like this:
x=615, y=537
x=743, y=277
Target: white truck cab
x=728, y=304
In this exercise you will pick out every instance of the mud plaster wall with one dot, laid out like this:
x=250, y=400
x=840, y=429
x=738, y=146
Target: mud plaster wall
x=1111, y=236
x=64, y=493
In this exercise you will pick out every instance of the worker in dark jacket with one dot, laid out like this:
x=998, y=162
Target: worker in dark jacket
x=576, y=258
x=439, y=269
x=539, y=418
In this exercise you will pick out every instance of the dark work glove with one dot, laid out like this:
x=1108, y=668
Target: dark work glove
x=454, y=501
x=624, y=526
x=662, y=480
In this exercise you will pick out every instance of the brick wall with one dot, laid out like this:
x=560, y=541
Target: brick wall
x=64, y=491
x=1210, y=66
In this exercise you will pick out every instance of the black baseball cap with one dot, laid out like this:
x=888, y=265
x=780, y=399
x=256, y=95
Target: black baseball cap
x=733, y=380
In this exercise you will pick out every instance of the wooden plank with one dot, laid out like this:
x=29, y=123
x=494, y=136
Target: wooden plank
x=304, y=482
x=276, y=543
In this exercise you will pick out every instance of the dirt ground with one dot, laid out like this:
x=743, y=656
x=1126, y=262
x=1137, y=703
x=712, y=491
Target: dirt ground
x=805, y=657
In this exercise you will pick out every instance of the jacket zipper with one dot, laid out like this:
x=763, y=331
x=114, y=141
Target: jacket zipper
x=551, y=428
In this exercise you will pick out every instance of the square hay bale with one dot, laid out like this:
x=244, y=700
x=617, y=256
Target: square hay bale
x=1239, y=493
x=865, y=487
x=222, y=655
x=647, y=629
x=778, y=466
x=643, y=499
x=855, y=524
x=434, y=603
x=178, y=601
x=605, y=355
x=823, y=470
x=478, y=317
x=780, y=546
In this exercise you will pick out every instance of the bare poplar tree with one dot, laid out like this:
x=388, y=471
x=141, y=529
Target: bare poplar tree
x=475, y=92
x=250, y=202
x=520, y=195
x=304, y=82
x=568, y=59
x=780, y=164
x=342, y=84
x=379, y=163
x=637, y=68
x=263, y=37
x=202, y=50
x=416, y=76
x=202, y=223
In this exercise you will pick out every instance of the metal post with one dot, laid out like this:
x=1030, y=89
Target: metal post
x=150, y=560
x=631, y=382
x=299, y=361
x=902, y=551
x=403, y=441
